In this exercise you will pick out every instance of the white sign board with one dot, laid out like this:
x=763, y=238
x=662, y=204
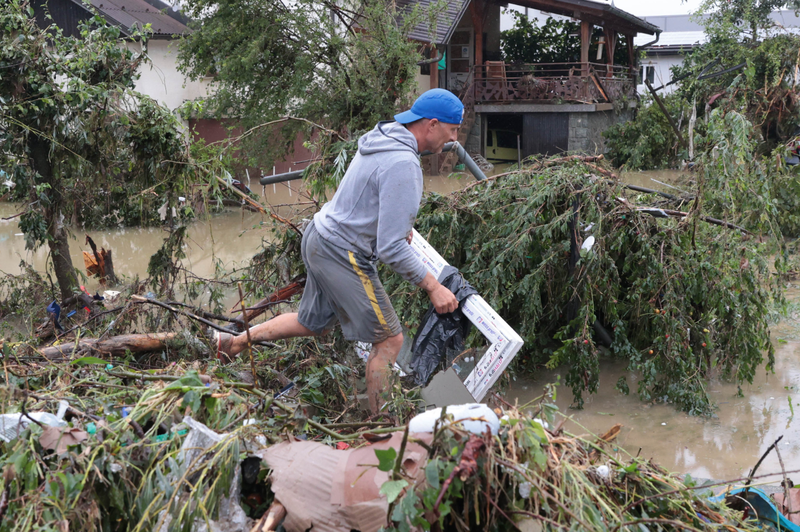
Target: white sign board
x=505, y=342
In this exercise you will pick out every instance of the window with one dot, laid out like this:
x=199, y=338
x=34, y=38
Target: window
x=489, y=138
x=647, y=72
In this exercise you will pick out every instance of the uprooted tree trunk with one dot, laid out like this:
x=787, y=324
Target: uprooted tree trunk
x=57, y=241
x=102, y=265
x=116, y=345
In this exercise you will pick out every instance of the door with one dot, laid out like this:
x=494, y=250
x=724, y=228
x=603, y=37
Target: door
x=459, y=59
x=545, y=133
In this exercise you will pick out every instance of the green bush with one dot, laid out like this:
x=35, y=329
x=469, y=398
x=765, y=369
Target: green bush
x=647, y=142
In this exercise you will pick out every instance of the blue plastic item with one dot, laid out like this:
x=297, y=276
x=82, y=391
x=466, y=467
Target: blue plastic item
x=766, y=512
x=55, y=310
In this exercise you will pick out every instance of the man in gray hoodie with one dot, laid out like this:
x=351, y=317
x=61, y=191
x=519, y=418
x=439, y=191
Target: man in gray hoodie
x=368, y=220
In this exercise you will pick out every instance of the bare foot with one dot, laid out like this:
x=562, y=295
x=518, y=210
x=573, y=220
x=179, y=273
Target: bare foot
x=224, y=344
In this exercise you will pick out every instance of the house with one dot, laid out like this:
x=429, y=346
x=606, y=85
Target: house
x=552, y=108
x=160, y=79
x=680, y=34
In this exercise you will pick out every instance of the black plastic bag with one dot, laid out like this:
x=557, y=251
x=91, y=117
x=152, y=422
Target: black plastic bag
x=441, y=334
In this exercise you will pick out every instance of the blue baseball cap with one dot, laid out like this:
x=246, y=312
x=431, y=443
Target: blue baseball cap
x=440, y=104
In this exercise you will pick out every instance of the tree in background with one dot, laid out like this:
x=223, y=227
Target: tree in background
x=555, y=41
x=342, y=64
x=71, y=126
x=726, y=16
x=740, y=32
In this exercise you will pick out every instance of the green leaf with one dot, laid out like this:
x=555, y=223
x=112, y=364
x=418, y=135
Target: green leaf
x=190, y=380
x=393, y=488
x=84, y=361
x=192, y=399
x=538, y=430
x=386, y=459
x=432, y=473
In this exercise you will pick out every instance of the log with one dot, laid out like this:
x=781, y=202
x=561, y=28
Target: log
x=116, y=345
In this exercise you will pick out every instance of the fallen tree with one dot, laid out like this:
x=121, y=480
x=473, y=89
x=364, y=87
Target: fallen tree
x=572, y=260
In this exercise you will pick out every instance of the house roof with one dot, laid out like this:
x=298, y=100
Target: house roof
x=598, y=13
x=445, y=24
x=674, y=39
x=130, y=14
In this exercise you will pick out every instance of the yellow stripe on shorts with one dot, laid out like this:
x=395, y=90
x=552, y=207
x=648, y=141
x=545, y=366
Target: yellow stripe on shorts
x=367, y=282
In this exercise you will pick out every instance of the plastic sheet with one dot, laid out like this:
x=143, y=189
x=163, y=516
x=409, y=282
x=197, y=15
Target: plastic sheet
x=200, y=440
x=12, y=424
x=441, y=335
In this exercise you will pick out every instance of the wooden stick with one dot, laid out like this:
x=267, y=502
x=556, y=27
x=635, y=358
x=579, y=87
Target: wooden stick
x=755, y=468
x=140, y=299
x=258, y=206
x=270, y=521
x=786, y=493
x=681, y=214
x=280, y=295
x=666, y=113
x=249, y=340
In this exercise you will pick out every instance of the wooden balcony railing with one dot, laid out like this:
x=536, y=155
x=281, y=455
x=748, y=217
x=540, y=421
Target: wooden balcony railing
x=498, y=82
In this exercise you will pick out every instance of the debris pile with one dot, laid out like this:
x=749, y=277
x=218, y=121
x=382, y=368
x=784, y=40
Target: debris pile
x=172, y=449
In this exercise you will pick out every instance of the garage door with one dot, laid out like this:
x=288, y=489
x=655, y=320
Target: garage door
x=545, y=133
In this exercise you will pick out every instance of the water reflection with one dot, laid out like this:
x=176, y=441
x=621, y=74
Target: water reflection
x=725, y=446
x=662, y=180
x=229, y=238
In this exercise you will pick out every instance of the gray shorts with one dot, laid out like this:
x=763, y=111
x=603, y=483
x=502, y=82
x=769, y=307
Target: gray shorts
x=343, y=286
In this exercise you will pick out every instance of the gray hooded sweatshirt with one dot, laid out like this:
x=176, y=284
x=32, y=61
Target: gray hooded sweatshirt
x=376, y=204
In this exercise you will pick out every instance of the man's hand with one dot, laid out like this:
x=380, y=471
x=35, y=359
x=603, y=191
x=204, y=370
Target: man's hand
x=442, y=298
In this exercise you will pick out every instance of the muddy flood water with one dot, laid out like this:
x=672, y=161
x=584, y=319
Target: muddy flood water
x=725, y=446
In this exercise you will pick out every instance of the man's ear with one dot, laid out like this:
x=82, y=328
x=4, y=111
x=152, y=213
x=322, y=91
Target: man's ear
x=432, y=123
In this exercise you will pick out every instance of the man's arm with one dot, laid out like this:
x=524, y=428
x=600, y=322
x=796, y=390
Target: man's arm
x=442, y=299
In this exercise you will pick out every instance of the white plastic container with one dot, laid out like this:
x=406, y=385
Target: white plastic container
x=474, y=417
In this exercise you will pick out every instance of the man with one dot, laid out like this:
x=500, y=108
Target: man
x=369, y=219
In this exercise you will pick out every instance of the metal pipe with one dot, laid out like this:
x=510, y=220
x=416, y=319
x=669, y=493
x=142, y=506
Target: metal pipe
x=280, y=178
x=462, y=154
x=464, y=157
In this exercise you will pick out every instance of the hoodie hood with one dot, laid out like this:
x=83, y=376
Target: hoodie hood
x=388, y=136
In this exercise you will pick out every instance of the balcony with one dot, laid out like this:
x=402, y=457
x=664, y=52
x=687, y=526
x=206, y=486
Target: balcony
x=496, y=82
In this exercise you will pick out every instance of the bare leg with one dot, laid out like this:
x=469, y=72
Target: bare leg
x=379, y=367
x=278, y=328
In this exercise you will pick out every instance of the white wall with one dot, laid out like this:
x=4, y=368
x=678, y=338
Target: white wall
x=423, y=81
x=161, y=80
x=662, y=74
